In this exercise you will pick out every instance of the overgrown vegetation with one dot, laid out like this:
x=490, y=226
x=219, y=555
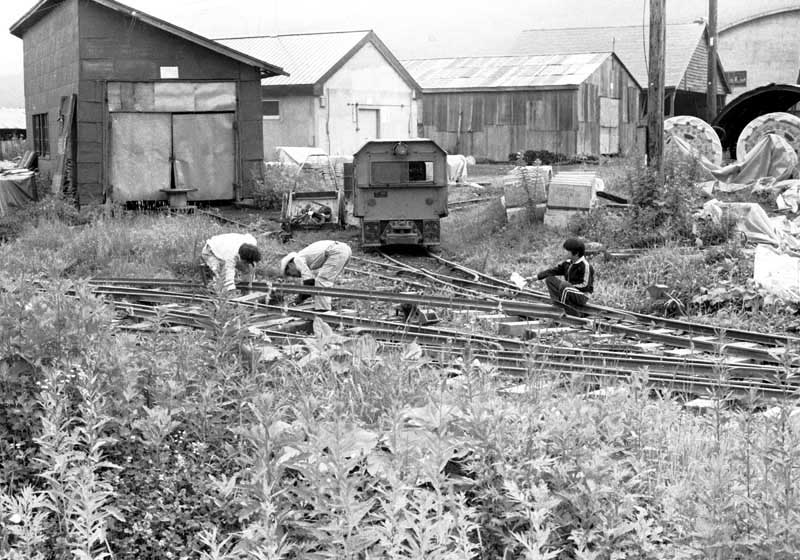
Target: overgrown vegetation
x=218, y=444
x=281, y=179
x=546, y=157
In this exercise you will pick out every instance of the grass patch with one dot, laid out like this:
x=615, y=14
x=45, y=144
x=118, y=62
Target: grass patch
x=212, y=444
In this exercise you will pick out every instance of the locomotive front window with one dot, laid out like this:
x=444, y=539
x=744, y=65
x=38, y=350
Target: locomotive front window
x=401, y=172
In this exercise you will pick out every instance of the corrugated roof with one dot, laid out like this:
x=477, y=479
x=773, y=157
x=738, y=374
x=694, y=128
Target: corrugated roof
x=11, y=119
x=492, y=72
x=306, y=57
x=629, y=43
x=43, y=6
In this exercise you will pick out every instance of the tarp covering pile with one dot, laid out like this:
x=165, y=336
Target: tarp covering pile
x=17, y=187
x=772, y=157
x=753, y=222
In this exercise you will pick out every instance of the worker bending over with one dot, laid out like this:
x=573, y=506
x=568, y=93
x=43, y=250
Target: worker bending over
x=319, y=264
x=226, y=253
x=571, y=281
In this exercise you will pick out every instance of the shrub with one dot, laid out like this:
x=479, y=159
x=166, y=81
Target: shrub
x=546, y=157
x=50, y=208
x=280, y=179
x=659, y=212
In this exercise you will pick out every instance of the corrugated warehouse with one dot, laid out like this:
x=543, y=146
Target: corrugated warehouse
x=492, y=106
x=685, y=58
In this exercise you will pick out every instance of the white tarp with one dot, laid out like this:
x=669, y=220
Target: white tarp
x=777, y=273
x=753, y=222
x=298, y=155
x=789, y=197
x=772, y=157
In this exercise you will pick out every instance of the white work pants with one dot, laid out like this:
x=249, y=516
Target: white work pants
x=336, y=258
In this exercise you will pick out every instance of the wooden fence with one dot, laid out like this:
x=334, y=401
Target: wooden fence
x=10, y=149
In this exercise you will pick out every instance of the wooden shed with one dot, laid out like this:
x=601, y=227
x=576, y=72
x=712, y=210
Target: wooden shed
x=123, y=106
x=685, y=58
x=343, y=89
x=490, y=107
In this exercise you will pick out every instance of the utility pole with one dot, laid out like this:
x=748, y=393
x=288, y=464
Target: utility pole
x=655, y=89
x=711, y=92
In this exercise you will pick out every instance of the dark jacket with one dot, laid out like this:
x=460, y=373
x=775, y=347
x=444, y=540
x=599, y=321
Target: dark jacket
x=579, y=273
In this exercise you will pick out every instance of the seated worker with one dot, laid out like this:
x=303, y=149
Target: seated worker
x=226, y=253
x=571, y=281
x=319, y=264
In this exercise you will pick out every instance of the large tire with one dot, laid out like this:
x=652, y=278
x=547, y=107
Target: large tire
x=698, y=133
x=782, y=124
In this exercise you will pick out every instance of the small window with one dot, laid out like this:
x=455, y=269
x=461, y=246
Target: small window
x=270, y=108
x=401, y=172
x=41, y=135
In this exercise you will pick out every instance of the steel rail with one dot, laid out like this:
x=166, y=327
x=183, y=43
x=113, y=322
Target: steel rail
x=448, y=338
x=505, y=306
x=694, y=328
x=335, y=319
x=446, y=356
x=513, y=307
x=389, y=278
x=432, y=276
x=441, y=278
x=535, y=354
x=533, y=310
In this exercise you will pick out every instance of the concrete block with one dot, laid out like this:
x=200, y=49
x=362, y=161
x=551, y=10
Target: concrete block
x=559, y=219
x=518, y=216
x=517, y=328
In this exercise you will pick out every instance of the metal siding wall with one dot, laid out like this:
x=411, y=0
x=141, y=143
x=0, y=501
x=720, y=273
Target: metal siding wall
x=761, y=47
x=114, y=47
x=295, y=127
x=50, y=61
x=535, y=120
x=478, y=114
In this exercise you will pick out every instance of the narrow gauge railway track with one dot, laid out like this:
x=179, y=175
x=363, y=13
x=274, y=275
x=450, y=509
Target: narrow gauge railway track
x=715, y=345
x=672, y=332
x=712, y=345
x=510, y=356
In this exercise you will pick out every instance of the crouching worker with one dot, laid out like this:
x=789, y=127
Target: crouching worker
x=319, y=264
x=225, y=254
x=571, y=281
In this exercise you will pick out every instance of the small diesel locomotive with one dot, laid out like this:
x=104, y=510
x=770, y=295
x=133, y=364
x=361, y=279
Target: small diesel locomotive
x=400, y=192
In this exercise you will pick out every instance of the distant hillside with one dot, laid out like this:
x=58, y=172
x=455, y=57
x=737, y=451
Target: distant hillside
x=12, y=93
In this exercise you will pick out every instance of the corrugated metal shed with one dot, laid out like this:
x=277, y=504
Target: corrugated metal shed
x=306, y=57
x=12, y=119
x=511, y=72
x=630, y=43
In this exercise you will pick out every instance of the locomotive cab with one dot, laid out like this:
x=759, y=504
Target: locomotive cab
x=400, y=192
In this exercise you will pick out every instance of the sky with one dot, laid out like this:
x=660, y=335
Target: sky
x=410, y=28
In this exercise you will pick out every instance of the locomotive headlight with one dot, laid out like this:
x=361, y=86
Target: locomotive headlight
x=429, y=201
x=400, y=149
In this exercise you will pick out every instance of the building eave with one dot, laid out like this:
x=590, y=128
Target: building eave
x=21, y=26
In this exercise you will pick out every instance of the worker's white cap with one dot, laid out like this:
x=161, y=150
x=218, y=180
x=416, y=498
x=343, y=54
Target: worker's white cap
x=285, y=262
